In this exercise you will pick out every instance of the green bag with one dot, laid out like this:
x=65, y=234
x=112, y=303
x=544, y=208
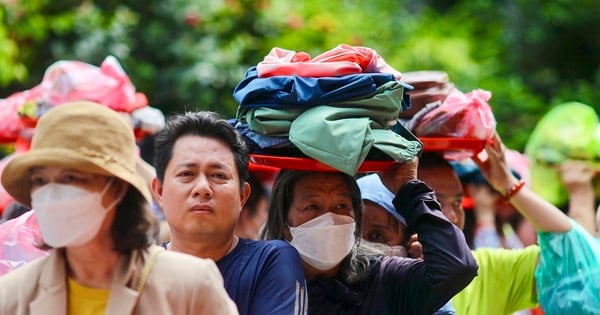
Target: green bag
x=568, y=131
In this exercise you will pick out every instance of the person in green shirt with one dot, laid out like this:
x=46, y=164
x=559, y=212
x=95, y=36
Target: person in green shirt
x=505, y=283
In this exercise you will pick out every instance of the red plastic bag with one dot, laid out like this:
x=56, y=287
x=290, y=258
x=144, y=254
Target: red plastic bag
x=460, y=116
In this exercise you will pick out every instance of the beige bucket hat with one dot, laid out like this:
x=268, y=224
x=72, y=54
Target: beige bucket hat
x=83, y=136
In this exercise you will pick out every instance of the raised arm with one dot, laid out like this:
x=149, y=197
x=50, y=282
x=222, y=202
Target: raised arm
x=423, y=286
x=542, y=214
x=577, y=177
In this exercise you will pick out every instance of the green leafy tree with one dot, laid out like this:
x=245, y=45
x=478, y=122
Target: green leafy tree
x=185, y=55
x=189, y=55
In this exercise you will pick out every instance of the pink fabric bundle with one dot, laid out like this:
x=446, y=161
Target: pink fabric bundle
x=342, y=60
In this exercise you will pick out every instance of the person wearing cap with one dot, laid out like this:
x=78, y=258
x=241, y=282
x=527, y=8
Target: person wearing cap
x=92, y=208
x=505, y=283
x=201, y=186
x=319, y=213
x=382, y=226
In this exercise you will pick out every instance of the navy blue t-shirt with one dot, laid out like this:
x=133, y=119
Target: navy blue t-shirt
x=265, y=277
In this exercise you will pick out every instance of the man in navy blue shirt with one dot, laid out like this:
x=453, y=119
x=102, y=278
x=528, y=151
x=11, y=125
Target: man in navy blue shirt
x=201, y=165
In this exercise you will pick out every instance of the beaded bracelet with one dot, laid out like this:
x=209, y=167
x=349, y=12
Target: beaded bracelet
x=514, y=190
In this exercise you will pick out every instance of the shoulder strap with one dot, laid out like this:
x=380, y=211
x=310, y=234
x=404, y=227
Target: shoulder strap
x=141, y=283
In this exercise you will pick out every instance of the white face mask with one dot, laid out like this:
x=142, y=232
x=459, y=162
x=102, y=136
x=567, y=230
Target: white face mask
x=324, y=241
x=69, y=215
x=398, y=250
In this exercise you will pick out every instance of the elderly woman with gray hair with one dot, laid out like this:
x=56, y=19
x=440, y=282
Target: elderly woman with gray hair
x=319, y=214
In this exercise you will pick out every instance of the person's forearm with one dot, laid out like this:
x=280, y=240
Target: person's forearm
x=577, y=176
x=449, y=264
x=581, y=206
x=444, y=247
x=542, y=214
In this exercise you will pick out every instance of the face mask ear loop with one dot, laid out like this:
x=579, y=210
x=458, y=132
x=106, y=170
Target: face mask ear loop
x=107, y=186
x=117, y=200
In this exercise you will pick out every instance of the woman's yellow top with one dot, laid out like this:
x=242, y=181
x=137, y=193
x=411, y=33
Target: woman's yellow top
x=83, y=300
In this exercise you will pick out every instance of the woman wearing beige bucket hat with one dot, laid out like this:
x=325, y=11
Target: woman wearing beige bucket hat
x=91, y=204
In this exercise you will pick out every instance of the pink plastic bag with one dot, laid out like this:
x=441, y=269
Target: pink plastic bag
x=460, y=116
x=109, y=85
x=17, y=242
x=66, y=81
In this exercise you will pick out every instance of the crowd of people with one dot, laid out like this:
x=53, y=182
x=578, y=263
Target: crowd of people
x=312, y=242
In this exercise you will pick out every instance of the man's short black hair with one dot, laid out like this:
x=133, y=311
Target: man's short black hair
x=203, y=124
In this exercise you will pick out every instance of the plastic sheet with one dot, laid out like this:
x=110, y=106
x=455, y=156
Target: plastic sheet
x=17, y=242
x=460, y=115
x=568, y=131
x=5, y=198
x=568, y=275
x=109, y=85
x=66, y=81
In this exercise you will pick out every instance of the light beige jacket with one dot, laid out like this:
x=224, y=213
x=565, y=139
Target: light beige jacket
x=178, y=284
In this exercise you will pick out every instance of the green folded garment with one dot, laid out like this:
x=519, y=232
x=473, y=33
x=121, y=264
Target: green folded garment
x=343, y=143
x=342, y=134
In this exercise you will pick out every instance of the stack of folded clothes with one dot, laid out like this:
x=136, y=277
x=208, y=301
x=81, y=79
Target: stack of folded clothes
x=337, y=108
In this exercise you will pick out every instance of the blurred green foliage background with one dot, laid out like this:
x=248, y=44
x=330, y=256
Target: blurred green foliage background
x=188, y=55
